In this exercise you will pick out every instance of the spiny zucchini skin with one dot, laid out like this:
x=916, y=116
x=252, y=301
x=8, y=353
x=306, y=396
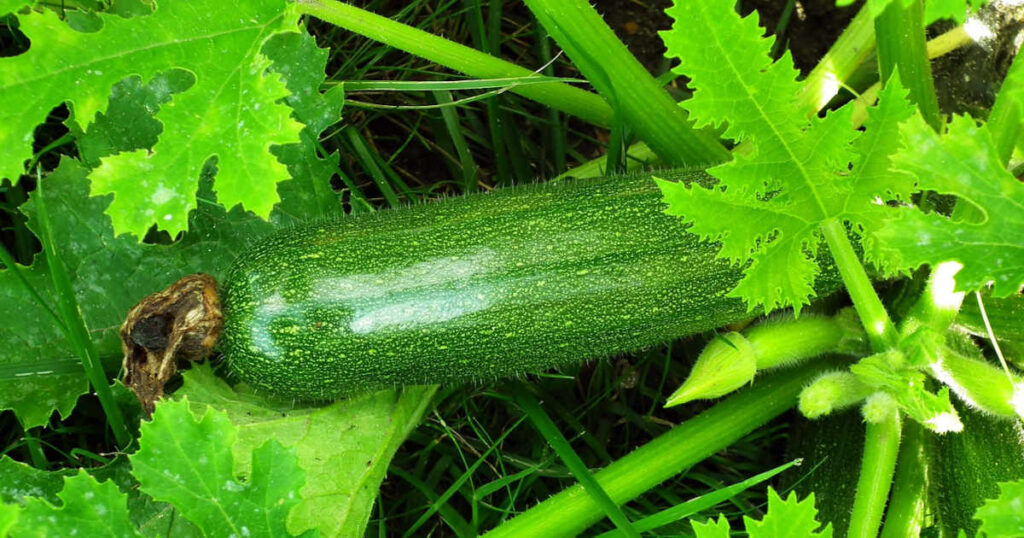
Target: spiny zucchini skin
x=477, y=287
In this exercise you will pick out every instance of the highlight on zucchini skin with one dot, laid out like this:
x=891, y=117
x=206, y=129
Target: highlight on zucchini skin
x=477, y=287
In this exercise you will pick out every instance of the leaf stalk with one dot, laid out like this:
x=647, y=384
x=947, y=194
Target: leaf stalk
x=880, y=329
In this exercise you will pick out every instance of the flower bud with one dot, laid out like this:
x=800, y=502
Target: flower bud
x=879, y=408
x=726, y=364
x=830, y=392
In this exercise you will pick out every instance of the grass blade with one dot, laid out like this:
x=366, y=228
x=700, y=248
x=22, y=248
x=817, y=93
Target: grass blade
x=540, y=419
x=703, y=502
x=579, y=103
x=571, y=511
x=74, y=326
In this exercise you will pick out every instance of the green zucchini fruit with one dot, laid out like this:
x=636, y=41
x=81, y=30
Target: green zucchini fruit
x=477, y=287
x=965, y=469
x=831, y=449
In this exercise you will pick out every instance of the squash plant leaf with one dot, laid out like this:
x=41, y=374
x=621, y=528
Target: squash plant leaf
x=19, y=481
x=1001, y=517
x=712, y=528
x=789, y=517
x=232, y=111
x=92, y=508
x=963, y=161
x=7, y=6
x=347, y=445
x=38, y=371
x=790, y=175
x=8, y=517
x=177, y=463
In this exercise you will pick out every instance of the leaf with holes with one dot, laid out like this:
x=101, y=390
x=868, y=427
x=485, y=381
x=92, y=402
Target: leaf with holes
x=38, y=371
x=791, y=176
x=232, y=111
x=963, y=161
x=177, y=463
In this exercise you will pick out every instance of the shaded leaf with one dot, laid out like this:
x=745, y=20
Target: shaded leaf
x=39, y=374
x=152, y=518
x=89, y=508
x=19, y=481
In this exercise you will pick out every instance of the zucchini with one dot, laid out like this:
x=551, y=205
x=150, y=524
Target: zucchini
x=966, y=468
x=831, y=449
x=477, y=287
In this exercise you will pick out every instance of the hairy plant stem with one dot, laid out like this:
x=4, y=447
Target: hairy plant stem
x=879, y=327
x=906, y=512
x=881, y=446
x=637, y=98
x=881, y=440
x=572, y=510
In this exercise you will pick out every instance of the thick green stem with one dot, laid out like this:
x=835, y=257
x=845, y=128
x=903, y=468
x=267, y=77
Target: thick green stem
x=571, y=511
x=881, y=446
x=615, y=73
x=880, y=329
x=787, y=342
x=899, y=33
x=580, y=103
x=855, y=45
x=938, y=305
x=905, y=516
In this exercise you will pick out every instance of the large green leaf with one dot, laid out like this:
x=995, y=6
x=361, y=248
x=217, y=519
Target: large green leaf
x=962, y=161
x=791, y=175
x=347, y=445
x=232, y=111
x=8, y=517
x=19, y=481
x=1001, y=517
x=188, y=463
x=38, y=371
